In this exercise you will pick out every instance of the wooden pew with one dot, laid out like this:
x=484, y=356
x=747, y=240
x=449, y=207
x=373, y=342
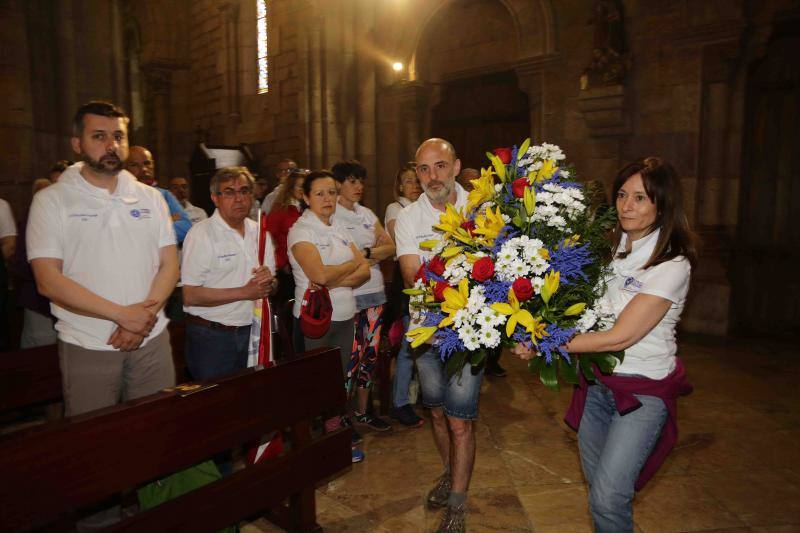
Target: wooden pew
x=50, y=471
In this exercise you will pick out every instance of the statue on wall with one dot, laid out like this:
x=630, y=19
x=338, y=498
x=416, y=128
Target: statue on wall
x=610, y=61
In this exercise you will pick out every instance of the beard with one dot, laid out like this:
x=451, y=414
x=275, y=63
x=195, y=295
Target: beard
x=109, y=164
x=439, y=194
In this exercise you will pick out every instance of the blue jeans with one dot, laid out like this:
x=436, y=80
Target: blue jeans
x=613, y=450
x=213, y=353
x=458, y=395
x=404, y=368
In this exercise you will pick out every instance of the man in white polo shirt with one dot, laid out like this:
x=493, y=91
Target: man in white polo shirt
x=453, y=402
x=102, y=249
x=222, y=277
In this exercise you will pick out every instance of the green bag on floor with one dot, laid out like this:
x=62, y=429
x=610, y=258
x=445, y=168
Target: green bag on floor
x=178, y=484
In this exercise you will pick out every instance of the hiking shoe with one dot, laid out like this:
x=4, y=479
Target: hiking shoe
x=358, y=455
x=373, y=422
x=406, y=416
x=355, y=437
x=438, y=495
x=496, y=370
x=453, y=520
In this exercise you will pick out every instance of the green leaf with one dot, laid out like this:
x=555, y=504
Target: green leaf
x=606, y=362
x=523, y=148
x=549, y=377
x=535, y=364
x=517, y=221
x=585, y=365
x=455, y=363
x=567, y=371
x=477, y=357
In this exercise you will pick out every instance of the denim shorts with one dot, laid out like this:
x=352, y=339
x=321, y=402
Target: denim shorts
x=458, y=396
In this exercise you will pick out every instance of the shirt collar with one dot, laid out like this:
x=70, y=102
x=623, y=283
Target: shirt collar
x=125, y=191
x=641, y=251
x=217, y=219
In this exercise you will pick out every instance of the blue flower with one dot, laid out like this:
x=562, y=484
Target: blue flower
x=448, y=343
x=552, y=345
x=508, y=232
x=432, y=318
x=496, y=291
x=570, y=260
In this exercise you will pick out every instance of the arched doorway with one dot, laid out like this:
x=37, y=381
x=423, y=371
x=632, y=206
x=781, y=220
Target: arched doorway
x=766, y=296
x=466, y=54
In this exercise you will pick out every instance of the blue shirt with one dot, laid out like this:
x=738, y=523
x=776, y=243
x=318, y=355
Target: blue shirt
x=183, y=224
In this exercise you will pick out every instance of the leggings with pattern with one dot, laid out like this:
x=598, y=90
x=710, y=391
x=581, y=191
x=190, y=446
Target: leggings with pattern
x=364, y=356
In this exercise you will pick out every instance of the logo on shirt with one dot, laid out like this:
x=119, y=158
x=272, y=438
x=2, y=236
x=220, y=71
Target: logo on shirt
x=226, y=257
x=632, y=285
x=140, y=213
x=83, y=216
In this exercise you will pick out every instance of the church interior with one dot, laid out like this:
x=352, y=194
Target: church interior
x=712, y=86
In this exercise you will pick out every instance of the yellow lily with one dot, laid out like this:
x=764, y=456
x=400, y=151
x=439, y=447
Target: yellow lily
x=551, y=282
x=454, y=301
x=516, y=315
x=450, y=223
x=489, y=224
x=538, y=330
x=427, y=245
x=546, y=171
x=420, y=335
x=482, y=191
x=575, y=309
x=529, y=200
x=451, y=251
x=499, y=167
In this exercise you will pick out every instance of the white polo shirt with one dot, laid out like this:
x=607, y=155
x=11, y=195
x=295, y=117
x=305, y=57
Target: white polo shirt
x=196, y=214
x=360, y=223
x=394, y=208
x=108, y=242
x=8, y=228
x=216, y=256
x=415, y=224
x=333, y=243
x=654, y=355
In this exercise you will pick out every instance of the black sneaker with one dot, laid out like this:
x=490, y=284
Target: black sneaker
x=453, y=520
x=356, y=437
x=406, y=416
x=438, y=495
x=373, y=422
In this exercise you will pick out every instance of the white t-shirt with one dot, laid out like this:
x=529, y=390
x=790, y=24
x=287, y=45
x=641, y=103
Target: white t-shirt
x=216, y=256
x=196, y=214
x=415, y=224
x=108, y=243
x=393, y=209
x=270, y=198
x=654, y=355
x=8, y=227
x=333, y=243
x=361, y=224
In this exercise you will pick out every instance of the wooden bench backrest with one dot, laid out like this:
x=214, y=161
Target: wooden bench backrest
x=53, y=469
x=29, y=377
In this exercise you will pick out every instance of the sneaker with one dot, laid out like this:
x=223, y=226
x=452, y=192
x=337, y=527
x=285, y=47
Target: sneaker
x=406, y=416
x=496, y=370
x=358, y=455
x=453, y=520
x=438, y=495
x=373, y=422
x=355, y=437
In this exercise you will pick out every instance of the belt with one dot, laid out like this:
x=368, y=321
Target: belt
x=213, y=325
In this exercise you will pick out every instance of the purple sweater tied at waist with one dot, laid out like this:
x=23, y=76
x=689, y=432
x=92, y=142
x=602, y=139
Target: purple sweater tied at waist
x=624, y=388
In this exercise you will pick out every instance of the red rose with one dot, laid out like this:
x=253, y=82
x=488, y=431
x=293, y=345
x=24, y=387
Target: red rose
x=421, y=274
x=523, y=289
x=469, y=225
x=437, y=265
x=438, y=290
x=504, y=154
x=518, y=187
x=483, y=269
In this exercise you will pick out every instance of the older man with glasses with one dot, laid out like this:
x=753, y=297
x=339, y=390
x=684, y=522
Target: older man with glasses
x=222, y=277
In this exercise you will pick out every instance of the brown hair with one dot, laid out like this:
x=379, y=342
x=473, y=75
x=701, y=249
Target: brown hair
x=663, y=188
x=286, y=193
x=411, y=166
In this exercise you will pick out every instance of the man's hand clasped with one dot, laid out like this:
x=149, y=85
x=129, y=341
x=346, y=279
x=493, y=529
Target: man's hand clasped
x=135, y=322
x=261, y=285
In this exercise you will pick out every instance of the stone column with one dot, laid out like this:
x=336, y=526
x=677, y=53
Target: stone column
x=158, y=126
x=531, y=73
x=230, y=25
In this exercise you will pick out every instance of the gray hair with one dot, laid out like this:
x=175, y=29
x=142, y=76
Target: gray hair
x=226, y=174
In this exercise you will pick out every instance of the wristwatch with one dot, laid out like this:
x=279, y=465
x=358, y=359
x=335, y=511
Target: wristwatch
x=367, y=252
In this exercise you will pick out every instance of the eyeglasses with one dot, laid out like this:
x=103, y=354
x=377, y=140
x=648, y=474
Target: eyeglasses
x=231, y=193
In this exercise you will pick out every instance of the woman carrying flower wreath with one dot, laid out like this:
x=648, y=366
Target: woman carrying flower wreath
x=626, y=421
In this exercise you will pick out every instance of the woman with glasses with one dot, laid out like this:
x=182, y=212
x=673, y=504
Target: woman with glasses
x=375, y=245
